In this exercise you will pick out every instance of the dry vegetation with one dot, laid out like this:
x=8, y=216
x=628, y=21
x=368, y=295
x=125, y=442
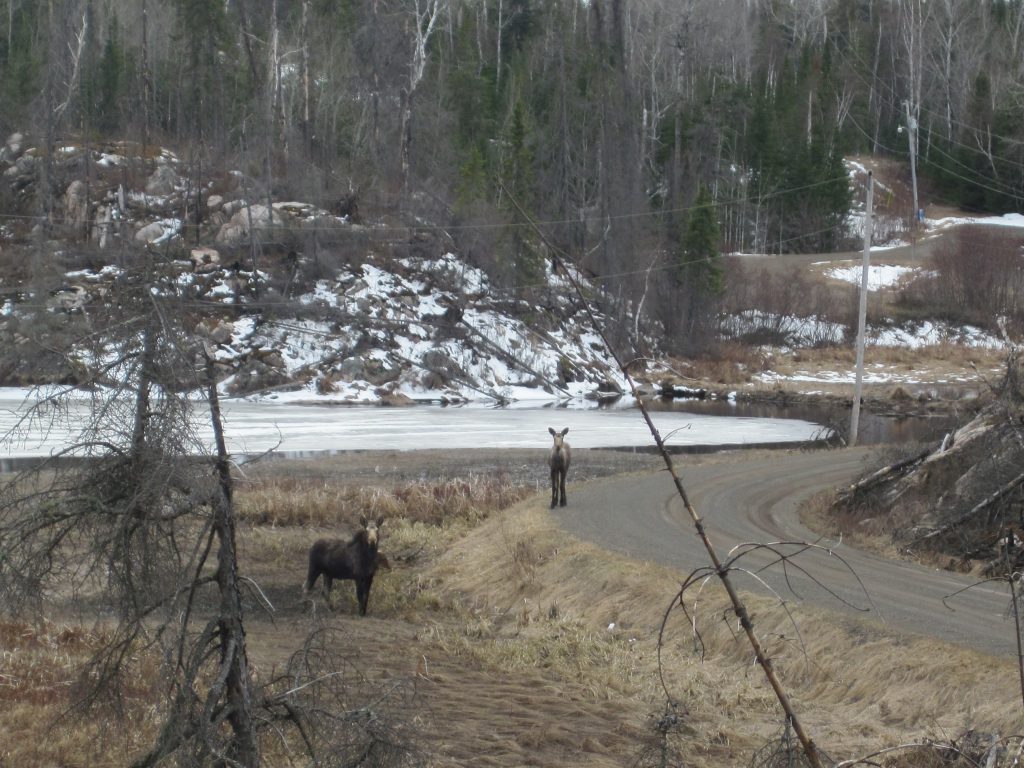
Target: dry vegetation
x=514, y=644
x=40, y=676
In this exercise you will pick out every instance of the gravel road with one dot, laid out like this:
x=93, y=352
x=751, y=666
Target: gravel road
x=754, y=498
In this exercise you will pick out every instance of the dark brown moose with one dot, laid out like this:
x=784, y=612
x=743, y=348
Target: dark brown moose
x=357, y=559
x=561, y=454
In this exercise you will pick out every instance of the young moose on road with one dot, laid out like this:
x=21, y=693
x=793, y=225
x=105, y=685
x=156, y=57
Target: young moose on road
x=559, y=463
x=357, y=559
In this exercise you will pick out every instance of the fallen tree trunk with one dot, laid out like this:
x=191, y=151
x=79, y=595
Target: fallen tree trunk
x=988, y=501
x=883, y=474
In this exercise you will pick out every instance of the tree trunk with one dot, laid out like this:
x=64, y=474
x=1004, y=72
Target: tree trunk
x=234, y=659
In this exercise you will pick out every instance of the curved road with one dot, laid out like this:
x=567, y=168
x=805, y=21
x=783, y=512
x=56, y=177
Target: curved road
x=755, y=499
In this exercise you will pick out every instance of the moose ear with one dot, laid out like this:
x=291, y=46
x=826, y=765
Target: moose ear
x=564, y=431
x=552, y=431
x=363, y=521
x=380, y=521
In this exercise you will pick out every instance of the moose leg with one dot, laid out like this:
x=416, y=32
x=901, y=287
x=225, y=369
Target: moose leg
x=554, y=488
x=363, y=594
x=311, y=577
x=328, y=583
x=561, y=489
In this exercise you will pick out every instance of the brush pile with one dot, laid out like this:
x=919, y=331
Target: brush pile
x=963, y=497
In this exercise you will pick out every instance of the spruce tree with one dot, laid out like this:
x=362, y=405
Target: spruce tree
x=517, y=177
x=700, y=262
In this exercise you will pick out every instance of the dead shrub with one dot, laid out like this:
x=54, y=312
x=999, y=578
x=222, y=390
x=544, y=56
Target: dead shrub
x=733, y=363
x=782, y=308
x=976, y=275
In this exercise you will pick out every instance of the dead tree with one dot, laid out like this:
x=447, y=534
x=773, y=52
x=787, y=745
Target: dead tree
x=719, y=568
x=143, y=522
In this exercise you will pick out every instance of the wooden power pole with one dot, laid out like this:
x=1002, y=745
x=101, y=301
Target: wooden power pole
x=862, y=312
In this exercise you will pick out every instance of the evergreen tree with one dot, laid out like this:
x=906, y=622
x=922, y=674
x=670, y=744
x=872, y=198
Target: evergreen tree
x=472, y=186
x=700, y=261
x=517, y=178
x=108, y=84
x=22, y=58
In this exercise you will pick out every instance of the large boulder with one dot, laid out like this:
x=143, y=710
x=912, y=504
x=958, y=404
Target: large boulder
x=158, y=232
x=162, y=182
x=12, y=148
x=236, y=229
x=23, y=166
x=254, y=375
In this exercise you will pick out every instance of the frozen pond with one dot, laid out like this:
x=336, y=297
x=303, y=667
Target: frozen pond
x=254, y=427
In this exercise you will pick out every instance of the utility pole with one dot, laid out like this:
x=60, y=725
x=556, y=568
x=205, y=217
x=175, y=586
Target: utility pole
x=912, y=138
x=862, y=312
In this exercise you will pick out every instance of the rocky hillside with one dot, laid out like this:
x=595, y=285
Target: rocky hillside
x=350, y=321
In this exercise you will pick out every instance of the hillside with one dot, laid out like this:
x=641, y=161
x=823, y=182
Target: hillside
x=352, y=321
x=304, y=303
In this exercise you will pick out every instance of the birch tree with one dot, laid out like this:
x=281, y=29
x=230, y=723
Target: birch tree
x=426, y=14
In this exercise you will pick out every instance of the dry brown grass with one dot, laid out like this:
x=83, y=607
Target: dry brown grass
x=528, y=647
x=303, y=501
x=934, y=362
x=732, y=364
x=40, y=675
x=858, y=686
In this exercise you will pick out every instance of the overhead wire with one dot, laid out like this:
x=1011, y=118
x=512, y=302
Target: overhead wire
x=850, y=50
x=403, y=228
x=975, y=182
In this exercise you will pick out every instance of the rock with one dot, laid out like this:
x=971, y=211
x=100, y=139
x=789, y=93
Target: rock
x=394, y=399
x=255, y=376
x=294, y=208
x=378, y=374
x=75, y=204
x=204, y=259
x=438, y=362
x=24, y=166
x=231, y=207
x=216, y=331
x=162, y=181
x=352, y=368
x=12, y=148
x=271, y=358
x=237, y=228
x=150, y=232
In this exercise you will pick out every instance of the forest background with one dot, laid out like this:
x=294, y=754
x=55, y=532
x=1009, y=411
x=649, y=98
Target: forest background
x=628, y=128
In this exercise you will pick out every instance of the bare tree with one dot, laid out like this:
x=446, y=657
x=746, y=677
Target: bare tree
x=720, y=568
x=426, y=14
x=955, y=48
x=143, y=521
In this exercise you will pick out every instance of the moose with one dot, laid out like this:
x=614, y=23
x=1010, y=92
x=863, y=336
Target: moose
x=357, y=559
x=559, y=459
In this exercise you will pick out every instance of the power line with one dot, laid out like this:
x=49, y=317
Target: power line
x=1003, y=191
x=386, y=229
x=851, y=49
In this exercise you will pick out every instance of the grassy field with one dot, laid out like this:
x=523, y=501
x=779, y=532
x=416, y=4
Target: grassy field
x=495, y=639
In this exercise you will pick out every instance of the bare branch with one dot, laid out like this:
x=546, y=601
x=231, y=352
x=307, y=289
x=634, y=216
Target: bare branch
x=720, y=570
